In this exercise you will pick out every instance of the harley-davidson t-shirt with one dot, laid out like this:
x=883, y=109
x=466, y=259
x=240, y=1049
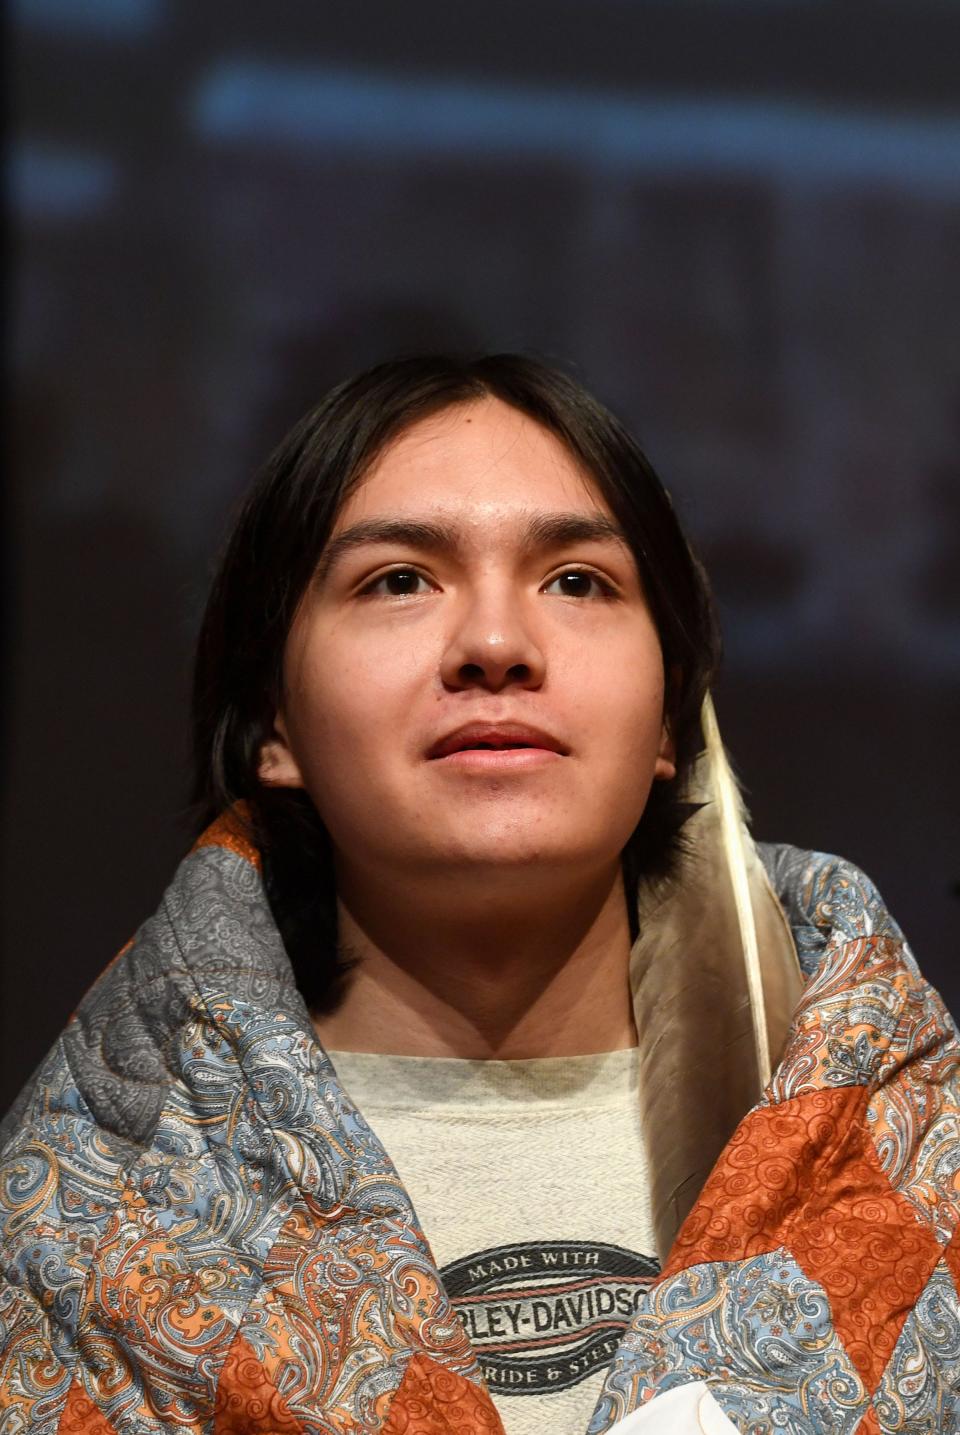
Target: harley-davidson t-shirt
x=530, y=1182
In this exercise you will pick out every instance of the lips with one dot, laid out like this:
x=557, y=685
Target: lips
x=495, y=736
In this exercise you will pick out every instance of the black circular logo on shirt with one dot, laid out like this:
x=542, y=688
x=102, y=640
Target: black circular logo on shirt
x=542, y=1315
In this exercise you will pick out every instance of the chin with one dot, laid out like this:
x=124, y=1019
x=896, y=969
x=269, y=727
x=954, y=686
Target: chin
x=504, y=856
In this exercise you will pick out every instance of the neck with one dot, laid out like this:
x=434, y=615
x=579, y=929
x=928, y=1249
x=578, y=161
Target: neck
x=529, y=972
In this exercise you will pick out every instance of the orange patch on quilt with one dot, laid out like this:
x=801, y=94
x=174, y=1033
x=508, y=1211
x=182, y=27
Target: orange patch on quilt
x=866, y=1245
x=805, y=1175
x=247, y=1401
x=768, y=1169
x=870, y=1424
x=231, y=830
x=81, y=1417
x=434, y=1401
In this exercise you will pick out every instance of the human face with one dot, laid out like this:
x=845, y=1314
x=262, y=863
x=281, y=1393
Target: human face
x=402, y=638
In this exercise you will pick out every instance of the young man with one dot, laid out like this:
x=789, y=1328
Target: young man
x=477, y=1067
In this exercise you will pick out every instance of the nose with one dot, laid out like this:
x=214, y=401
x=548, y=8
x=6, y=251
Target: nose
x=492, y=644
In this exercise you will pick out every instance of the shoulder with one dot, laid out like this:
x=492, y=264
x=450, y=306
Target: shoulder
x=119, y=1054
x=108, y=1063
x=133, y=1134
x=867, y=1016
x=827, y=900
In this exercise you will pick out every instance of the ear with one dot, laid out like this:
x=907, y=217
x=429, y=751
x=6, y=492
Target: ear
x=276, y=764
x=665, y=768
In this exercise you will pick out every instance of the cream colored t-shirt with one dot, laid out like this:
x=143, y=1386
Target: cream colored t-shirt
x=530, y=1182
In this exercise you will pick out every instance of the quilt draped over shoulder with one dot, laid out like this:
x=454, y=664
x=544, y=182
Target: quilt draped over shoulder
x=202, y=1234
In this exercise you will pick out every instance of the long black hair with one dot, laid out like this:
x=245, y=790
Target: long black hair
x=272, y=552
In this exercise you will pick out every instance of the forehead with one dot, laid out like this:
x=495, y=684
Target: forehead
x=474, y=463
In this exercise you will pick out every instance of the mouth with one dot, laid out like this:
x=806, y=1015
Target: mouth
x=496, y=747
x=490, y=740
x=495, y=759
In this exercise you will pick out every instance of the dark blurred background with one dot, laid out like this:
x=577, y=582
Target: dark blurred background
x=738, y=221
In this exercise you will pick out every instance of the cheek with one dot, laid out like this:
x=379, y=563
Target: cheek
x=622, y=712
x=619, y=690
x=345, y=702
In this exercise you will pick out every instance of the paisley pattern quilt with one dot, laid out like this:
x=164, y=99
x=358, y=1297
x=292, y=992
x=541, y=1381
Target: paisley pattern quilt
x=200, y=1233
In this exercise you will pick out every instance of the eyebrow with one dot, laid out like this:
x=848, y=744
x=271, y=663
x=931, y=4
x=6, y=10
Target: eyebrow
x=540, y=530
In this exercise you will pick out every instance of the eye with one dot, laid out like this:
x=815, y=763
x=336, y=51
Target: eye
x=576, y=584
x=400, y=583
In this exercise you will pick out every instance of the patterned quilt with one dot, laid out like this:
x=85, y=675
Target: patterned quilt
x=201, y=1233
